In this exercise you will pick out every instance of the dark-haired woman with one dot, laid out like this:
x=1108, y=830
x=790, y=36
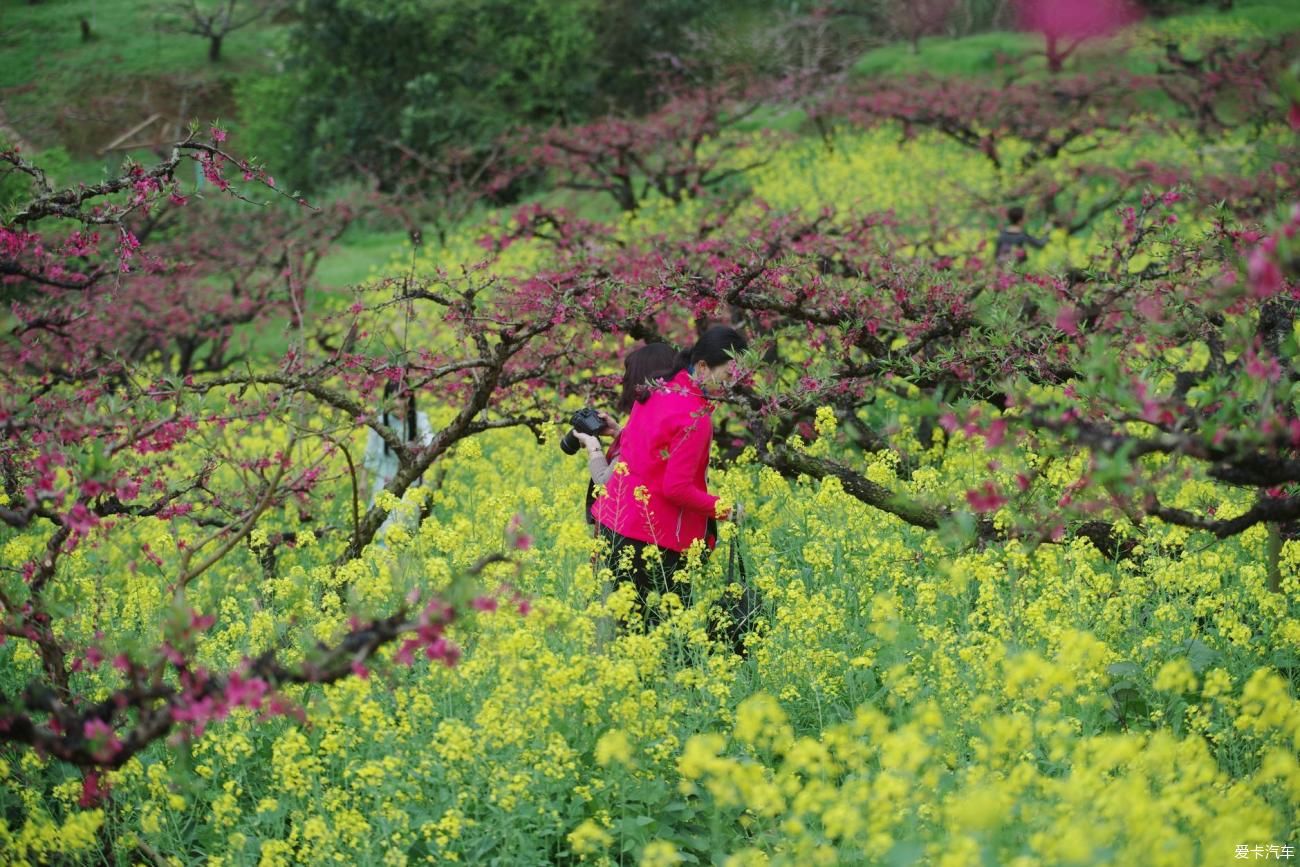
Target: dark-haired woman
x=642, y=369
x=659, y=496
x=380, y=461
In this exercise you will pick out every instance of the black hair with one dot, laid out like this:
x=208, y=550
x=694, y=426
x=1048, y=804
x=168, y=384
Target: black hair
x=390, y=389
x=1015, y=214
x=715, y=348
x=641, y=368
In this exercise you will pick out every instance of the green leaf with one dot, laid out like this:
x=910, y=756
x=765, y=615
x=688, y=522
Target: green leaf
x=905, y=854
x=1124, y=671
x=1200, y=655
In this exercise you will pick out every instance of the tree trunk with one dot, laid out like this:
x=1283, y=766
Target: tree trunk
x=214, y=48
x=625, y=194
x=792, y=463
x=1273, y=557
x=86, y=33
x=55, y=663
x=1055, y=58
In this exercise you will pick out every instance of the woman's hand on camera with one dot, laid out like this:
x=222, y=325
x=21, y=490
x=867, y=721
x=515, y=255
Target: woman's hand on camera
x=611, y=426
x=732, y=513
x=589, y=442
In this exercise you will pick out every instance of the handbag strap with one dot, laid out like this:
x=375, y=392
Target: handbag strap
x=736, y=571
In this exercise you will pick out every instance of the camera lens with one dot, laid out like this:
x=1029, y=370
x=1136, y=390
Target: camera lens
x=569, y=445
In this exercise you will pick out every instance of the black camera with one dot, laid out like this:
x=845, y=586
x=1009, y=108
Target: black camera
x=585, y=420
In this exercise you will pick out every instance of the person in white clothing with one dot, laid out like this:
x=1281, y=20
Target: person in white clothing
x=380, y=461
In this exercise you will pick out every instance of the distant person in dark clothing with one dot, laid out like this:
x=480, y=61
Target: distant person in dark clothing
x=1013, y=239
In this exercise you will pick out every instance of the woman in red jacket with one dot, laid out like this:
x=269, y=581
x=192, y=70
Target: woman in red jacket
x=643, y=369
x=658, y=495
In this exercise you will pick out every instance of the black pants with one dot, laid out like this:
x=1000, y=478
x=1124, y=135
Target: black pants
x=658, y=576
x=626, y=557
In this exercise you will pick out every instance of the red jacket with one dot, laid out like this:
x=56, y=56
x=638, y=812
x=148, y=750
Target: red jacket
x=665, y=449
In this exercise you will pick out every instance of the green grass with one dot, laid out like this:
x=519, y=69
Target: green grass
x=41, y=44
x=357, y=256
x=942, y=56
x=1135, y=49
x=775, y=118
x=58, y=90
x=1271, y=17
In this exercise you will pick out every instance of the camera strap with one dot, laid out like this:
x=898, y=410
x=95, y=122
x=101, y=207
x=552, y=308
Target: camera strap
x=742, y=610
x=735, y=563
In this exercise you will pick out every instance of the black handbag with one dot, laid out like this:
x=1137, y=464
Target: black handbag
x=742, y=611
